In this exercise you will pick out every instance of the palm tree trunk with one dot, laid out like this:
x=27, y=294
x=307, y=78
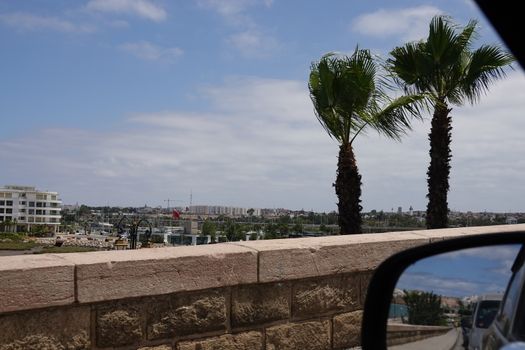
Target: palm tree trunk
x=348, y=190
x=439, y=169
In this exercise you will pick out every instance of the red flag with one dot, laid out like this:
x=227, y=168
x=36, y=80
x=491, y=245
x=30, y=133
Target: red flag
x=176, y=214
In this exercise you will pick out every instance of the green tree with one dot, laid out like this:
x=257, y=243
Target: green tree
x=232, y=230
x=348, y=98
x=297, y=228
x=270, y=231
x=283, y=229
x=446, y=69
x=209, y=229
x=84, y=210
x=424, y=308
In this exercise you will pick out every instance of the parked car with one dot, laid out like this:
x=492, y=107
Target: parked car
x=466, y=325
x=484, y=313
x=509, y=324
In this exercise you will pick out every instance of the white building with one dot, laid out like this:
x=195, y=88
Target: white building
x=216, y=210
x=28, y=206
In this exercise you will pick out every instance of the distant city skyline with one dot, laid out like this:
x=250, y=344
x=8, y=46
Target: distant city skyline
x=110, y=103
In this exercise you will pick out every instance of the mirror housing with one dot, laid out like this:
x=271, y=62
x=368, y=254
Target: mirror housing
x=383, y=282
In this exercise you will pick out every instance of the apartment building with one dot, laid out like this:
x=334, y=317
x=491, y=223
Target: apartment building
x=215, y=210
x=28, y=206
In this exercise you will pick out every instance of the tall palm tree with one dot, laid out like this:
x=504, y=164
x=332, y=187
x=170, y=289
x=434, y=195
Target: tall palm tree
x=348, y=98
x=444, y=67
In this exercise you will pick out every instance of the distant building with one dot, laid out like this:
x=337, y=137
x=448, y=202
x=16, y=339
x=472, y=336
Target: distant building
x=28, y=206
x=190, y=227
x=216, y=210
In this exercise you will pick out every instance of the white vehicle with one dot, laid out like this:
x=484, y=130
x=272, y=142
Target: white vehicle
x=484, y=312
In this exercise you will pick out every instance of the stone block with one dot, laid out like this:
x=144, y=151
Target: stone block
x=119, y=324
x=286, y=259
x=241, y=341
x=450, y=233
x=260, y=303
x=313, y=298
x=30, y=282
x=364, y=278
x=103, y=276
x=347, y=330
x=187, y=314
x=307, y=335
x=59, y=329
x=158, y=347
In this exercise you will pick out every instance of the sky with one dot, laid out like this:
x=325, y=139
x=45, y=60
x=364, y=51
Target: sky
x=132, y=102
x=463, y=273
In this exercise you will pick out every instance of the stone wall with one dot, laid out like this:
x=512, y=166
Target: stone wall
x=303, y=293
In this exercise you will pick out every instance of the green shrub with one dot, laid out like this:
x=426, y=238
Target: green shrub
x=12, y=237
x=16, y=245
x=67, y=249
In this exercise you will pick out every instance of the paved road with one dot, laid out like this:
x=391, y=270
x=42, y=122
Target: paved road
x=449, y=341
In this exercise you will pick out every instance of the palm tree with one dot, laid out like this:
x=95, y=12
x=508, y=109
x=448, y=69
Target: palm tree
x=446, y=69
x=348, y=98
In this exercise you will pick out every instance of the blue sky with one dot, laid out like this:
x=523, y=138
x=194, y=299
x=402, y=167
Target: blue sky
x=127, y=102
x=463, y=273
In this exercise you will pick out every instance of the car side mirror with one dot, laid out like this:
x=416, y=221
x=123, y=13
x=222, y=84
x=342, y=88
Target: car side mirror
x=440, y=292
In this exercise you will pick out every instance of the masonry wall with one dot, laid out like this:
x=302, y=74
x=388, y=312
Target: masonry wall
x=279, y=294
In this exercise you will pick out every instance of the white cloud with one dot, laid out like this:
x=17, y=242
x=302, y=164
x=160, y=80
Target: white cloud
x=487, y=158
x=266, y=99
x=141, y=8
x=231, y=8
x=451, y=286
x=499, y=253
x=407, y=24
x=250, y=41
x=151, y=52
x=253, y=146
x=259, y=144
x=253, y=44
x=30, y=22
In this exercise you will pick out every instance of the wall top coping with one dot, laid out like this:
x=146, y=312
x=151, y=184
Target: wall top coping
x=341, y=240
x=30, y=261
x=219, y=250
x=64, y=279
x=113, y=256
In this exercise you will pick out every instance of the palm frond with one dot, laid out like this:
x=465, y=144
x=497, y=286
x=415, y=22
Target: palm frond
x=441, y=36
x=393, y=119
x=487, y=65
x=348, y=98
x=321, y=93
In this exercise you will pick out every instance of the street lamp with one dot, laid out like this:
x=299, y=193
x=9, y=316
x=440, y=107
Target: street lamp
x=133, y=233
